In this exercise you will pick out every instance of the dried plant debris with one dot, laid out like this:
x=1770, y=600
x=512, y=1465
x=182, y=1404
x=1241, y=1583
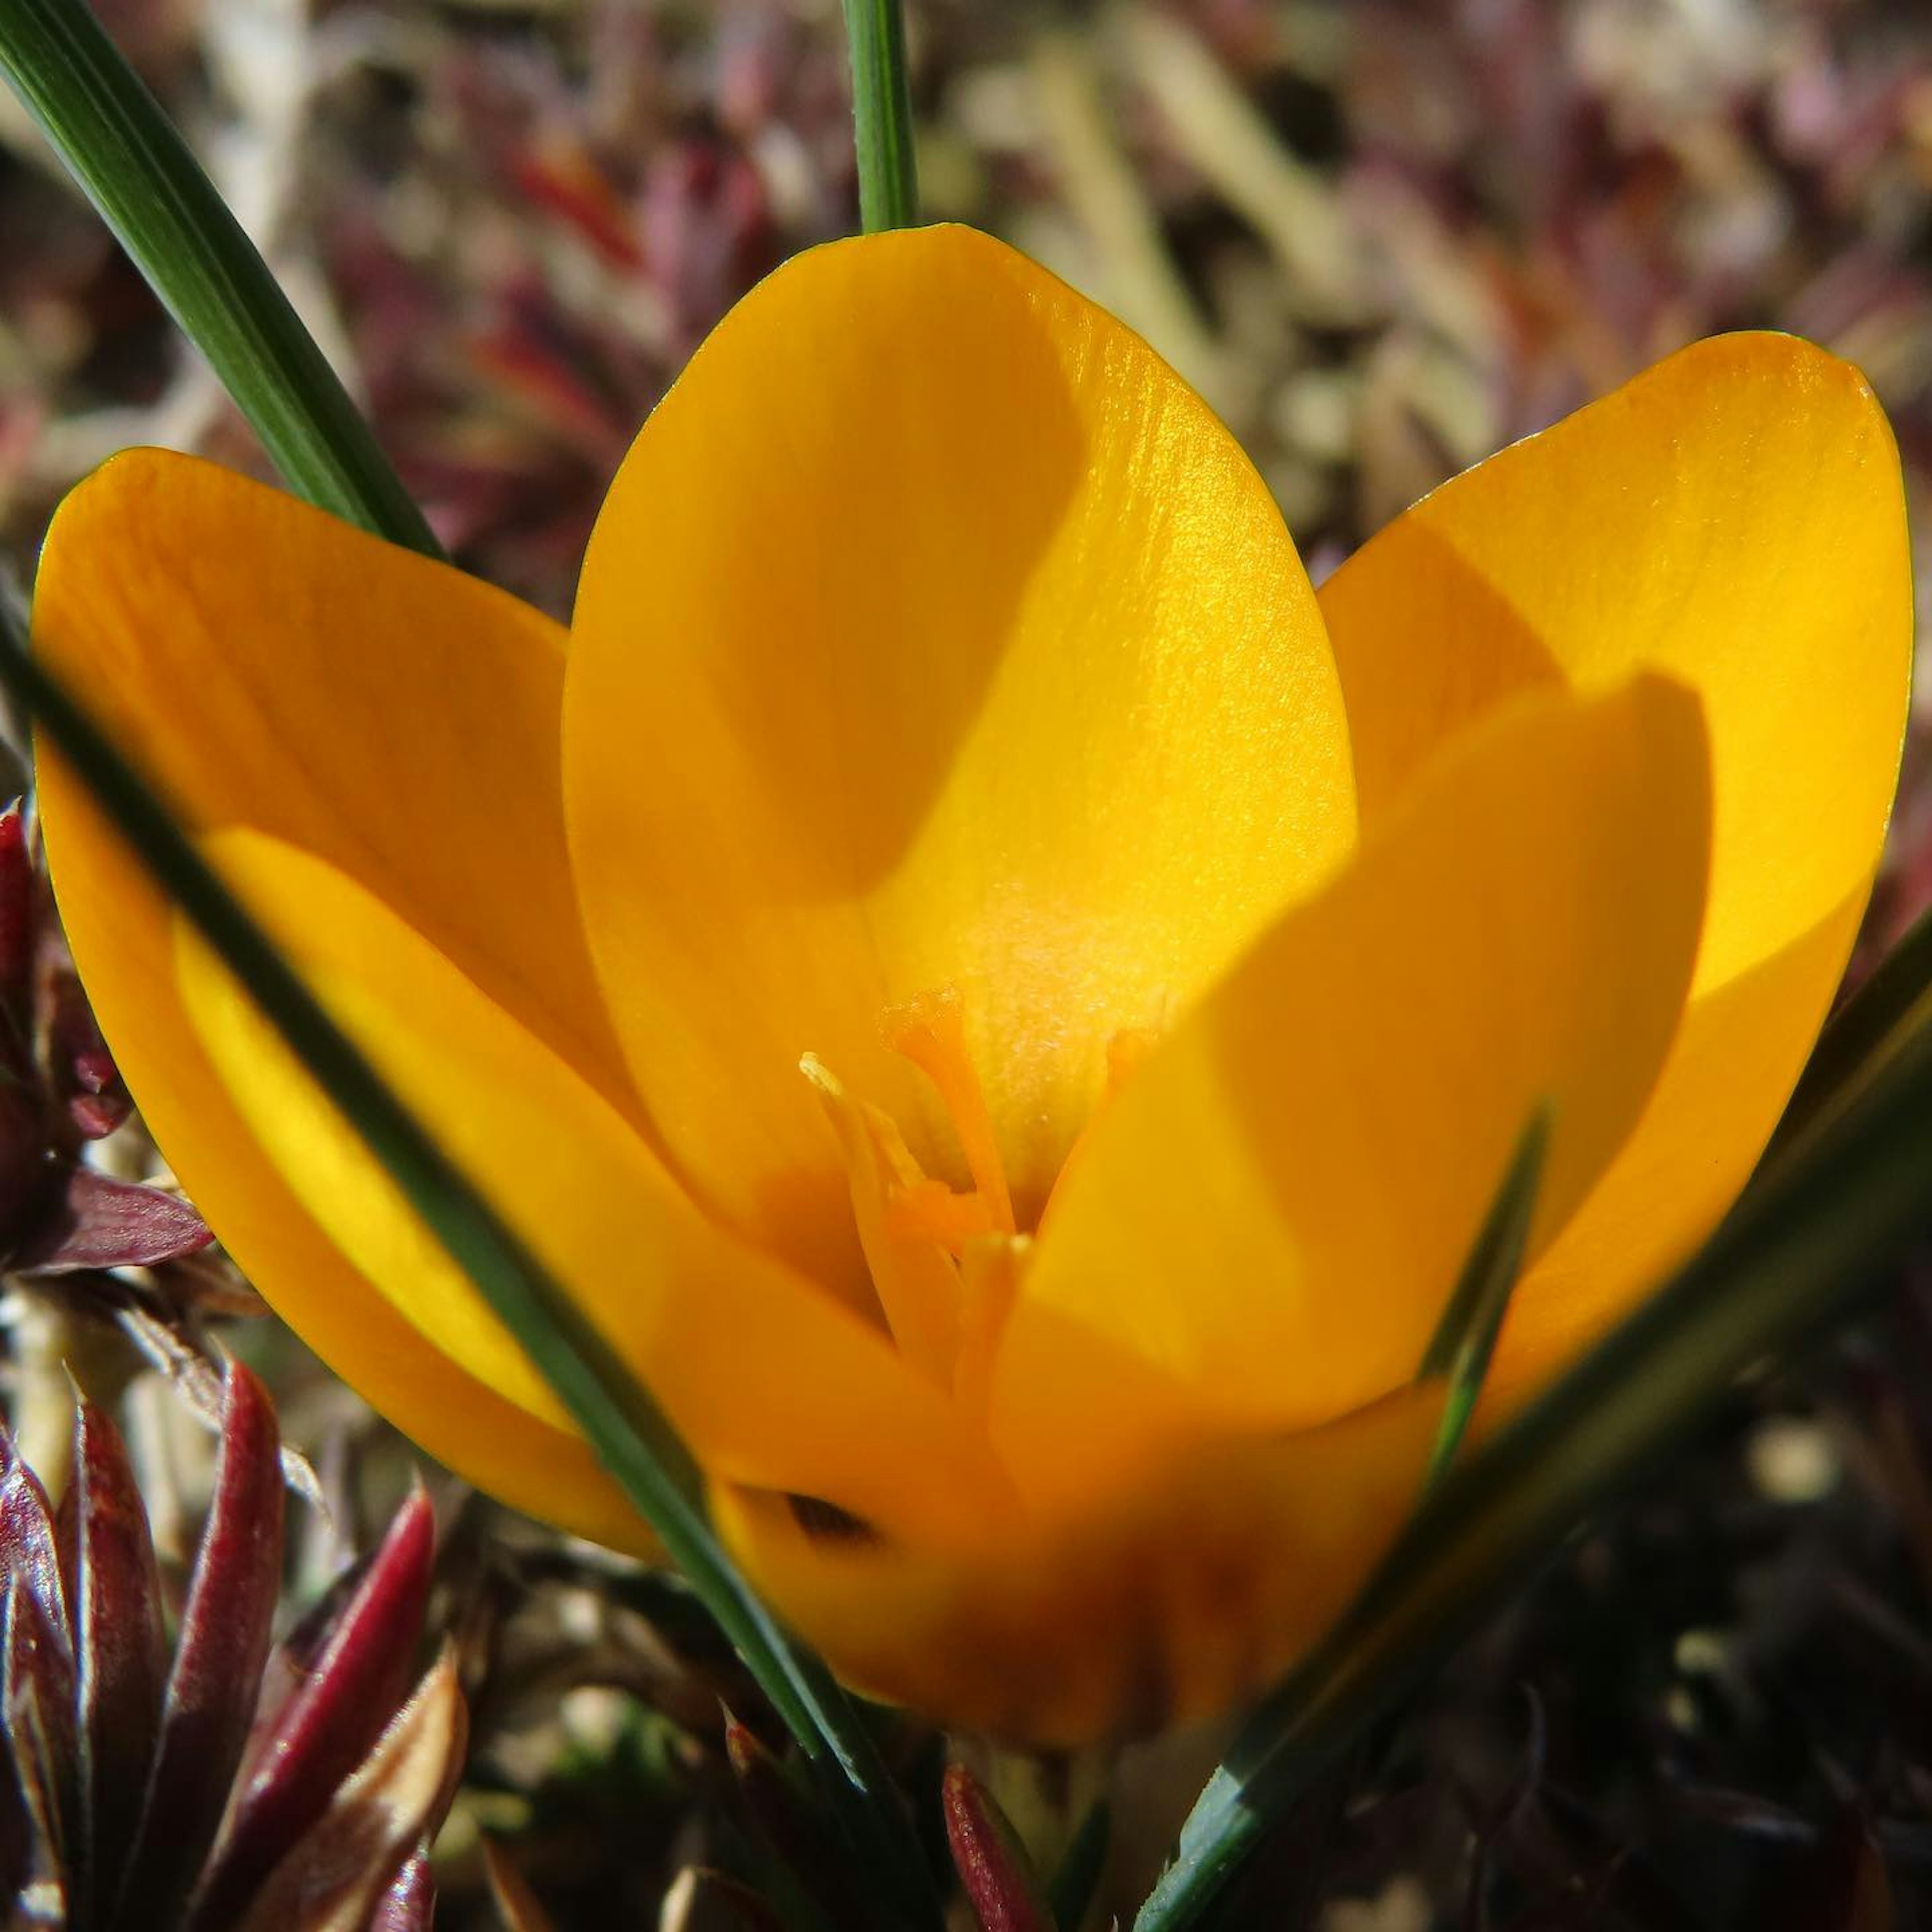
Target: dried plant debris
x=1384, y=237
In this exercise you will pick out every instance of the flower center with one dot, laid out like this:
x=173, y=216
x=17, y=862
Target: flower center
x=945, y=1265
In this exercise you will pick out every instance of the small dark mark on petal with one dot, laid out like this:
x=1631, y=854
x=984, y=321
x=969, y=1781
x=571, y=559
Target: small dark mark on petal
x=830, y=1523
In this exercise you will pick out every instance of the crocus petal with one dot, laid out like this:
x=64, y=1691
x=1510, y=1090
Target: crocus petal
x=935, y=633
x=265, y=665
x=401, y=719
x=1274, y=1211
x=771, y=1381
x=1735, y=518
x=1194, y=1586
x=122, y=928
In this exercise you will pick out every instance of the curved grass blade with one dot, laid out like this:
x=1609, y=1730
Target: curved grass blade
x=1820, y=1226
x=1458, y=1352
x=882, y=115
x=1897, y=996
x=152, y=193
x=617, y=1416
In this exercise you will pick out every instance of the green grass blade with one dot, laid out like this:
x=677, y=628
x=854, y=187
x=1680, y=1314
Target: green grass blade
x=137, y=171
x=1896, y=998
x=1466, y=1338
x=1820, y=1226
x=618, y=1417
x=882, y=115
x=1070, y=1894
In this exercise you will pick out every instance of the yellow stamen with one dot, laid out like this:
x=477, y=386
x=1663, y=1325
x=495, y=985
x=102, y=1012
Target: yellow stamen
x=946, y=1266
x=928, y=1031
x=989, y=1278
x=929, y=1210
x=915, y=1281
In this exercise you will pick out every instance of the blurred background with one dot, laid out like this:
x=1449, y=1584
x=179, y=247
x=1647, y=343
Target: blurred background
x=1383, y=240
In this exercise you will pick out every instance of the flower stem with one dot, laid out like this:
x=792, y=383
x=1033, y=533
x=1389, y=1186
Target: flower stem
x=882, y=115
x=153, y=193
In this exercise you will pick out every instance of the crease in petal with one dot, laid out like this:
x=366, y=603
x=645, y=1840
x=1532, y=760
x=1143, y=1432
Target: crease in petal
x=934, y=634
x=769, y=1381
x=1272, y=1212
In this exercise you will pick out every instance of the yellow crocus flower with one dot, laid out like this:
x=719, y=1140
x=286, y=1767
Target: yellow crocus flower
x=1008, y=1007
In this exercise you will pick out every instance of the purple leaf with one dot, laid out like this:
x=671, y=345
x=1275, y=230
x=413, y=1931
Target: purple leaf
x=27, y=1549
x=36, y=1696
x=216, y=1675
x=995, y=1871
x=120, y=1653
x=297, y=1759
x=39, y=1814
x=17, y=905
x=410, y=1903
x=28, y=1177
x=334, y=1875
x=101, y=1223
x=82, y=1067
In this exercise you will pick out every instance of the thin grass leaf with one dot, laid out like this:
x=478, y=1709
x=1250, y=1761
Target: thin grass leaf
x=882, y=115
x=1076, y=1879
x=1895, y=998
x=616, y=1415
x=1458, y=1352
x=1818, y=1228
x=123, y=151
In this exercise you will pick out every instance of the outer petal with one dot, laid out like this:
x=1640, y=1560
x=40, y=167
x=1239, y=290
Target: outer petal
x=934, y=632
x=268, y=666
x=1166, y=1602
x=770, y=1380
x=1734, y=517
x=1272, y=1214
